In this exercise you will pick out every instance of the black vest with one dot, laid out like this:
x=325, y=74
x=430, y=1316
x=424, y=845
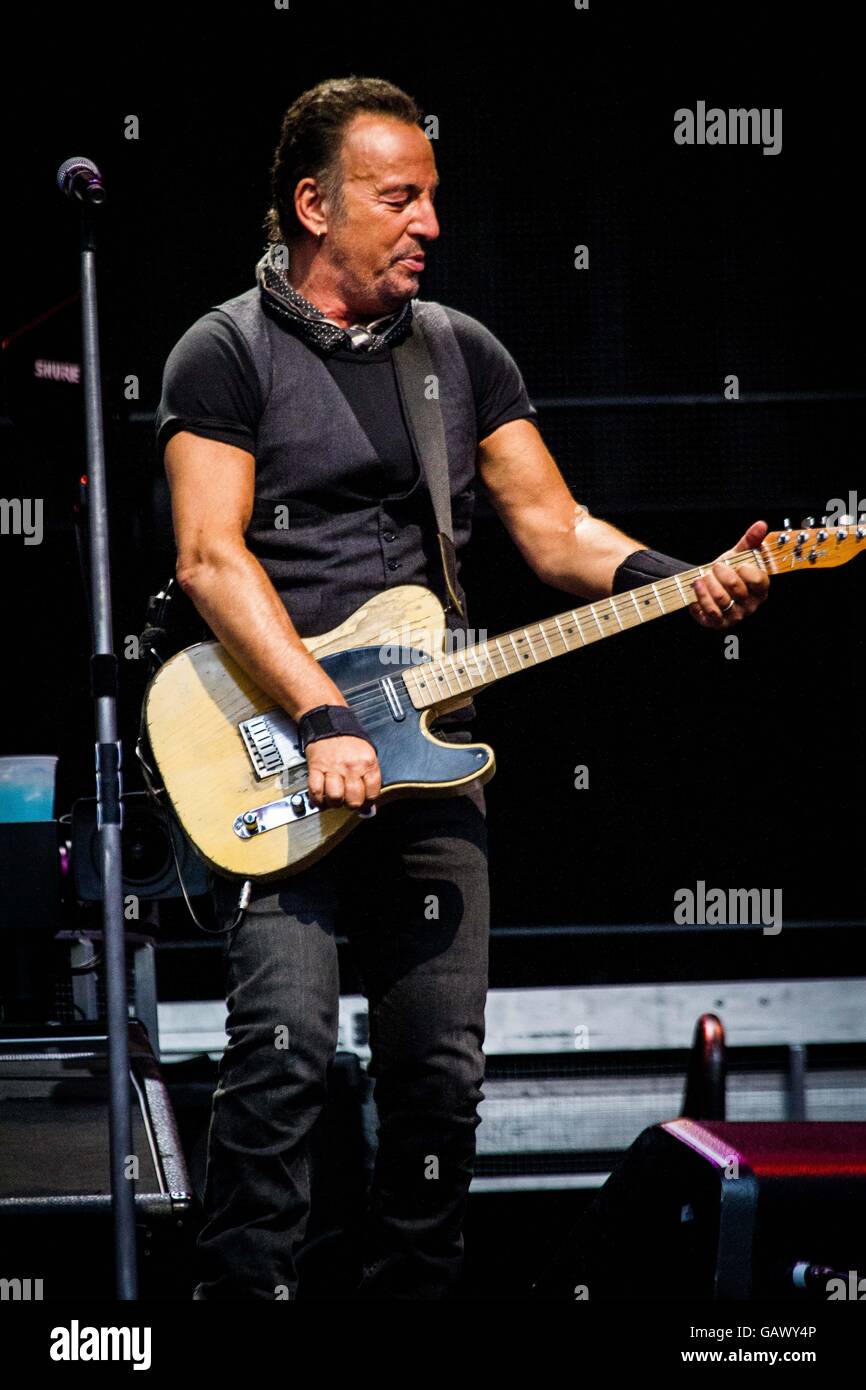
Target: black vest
x=325, y=546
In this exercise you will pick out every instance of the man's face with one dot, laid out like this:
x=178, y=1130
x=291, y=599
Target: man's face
x=377, y=246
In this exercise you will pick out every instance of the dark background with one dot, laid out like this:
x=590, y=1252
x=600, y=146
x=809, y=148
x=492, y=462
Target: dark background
x=556, y=128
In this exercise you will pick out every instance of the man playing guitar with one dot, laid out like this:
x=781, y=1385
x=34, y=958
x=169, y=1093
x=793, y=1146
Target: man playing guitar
x=285, y=397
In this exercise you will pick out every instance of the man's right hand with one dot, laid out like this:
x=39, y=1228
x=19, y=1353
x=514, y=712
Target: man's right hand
x=343, y=771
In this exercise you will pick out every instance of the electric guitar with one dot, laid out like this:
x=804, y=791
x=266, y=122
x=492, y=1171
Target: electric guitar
x=229, y=760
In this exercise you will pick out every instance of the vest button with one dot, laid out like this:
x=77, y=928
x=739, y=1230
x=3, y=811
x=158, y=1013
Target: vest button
x=393, y=564
x=390, y=535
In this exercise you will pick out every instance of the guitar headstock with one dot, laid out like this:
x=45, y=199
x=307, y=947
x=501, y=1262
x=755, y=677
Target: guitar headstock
x=809, y=546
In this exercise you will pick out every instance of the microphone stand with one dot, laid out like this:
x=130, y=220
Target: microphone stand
x=108, y=781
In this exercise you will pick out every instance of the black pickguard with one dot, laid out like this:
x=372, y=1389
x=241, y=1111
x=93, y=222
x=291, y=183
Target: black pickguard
x=405, y=753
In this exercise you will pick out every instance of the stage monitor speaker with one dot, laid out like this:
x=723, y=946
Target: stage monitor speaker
x=707, y=1210
x=55, y=1185
x=146, y=850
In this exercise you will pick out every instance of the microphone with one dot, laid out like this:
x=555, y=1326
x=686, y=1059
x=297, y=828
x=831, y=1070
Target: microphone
x=79, y=178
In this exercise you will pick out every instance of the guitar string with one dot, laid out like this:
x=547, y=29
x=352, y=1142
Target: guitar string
x=371, y=694
x=621, y=604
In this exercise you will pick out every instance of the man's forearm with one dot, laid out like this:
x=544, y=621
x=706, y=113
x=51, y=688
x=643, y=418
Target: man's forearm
x=585, y=556
x=237, y=600
x=565, y=545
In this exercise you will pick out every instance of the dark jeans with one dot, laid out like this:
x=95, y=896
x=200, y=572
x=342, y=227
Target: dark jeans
x=409, y=889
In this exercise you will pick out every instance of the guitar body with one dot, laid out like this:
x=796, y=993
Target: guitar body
x=226, y=753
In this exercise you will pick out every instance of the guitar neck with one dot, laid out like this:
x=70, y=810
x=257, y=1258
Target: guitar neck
x=478, y=666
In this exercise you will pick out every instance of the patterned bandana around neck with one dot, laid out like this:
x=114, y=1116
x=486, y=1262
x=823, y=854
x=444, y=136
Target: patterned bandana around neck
x=310, y=323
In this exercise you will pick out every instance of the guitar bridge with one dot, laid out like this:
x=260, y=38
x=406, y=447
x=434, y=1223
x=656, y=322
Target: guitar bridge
x=271, y=741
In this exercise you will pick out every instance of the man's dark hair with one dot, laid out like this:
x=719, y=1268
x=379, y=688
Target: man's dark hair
x=311, y=137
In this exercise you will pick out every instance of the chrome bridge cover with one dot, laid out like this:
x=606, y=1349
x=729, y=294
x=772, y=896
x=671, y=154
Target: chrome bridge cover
x=271, y=741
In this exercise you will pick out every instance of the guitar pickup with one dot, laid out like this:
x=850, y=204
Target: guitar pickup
x=393, y=699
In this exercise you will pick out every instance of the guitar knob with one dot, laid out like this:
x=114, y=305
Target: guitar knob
x=251, y=821
x=298, y=804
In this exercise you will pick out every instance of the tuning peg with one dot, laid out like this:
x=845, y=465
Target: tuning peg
x=861, y=520
x=808, y=521
x=786, y=524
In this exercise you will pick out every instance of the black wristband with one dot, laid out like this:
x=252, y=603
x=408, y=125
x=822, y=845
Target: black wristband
x=329, y=721
x=643, y=566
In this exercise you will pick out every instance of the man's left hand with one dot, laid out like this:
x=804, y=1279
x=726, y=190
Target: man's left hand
x=729, y=593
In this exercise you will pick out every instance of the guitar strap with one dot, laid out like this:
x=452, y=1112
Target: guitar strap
x=415, y=376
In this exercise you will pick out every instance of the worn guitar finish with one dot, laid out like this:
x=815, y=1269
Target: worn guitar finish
x=200, y=715
x=229, y=760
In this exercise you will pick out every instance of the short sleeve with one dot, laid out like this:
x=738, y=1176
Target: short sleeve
x=210, y=386
x=497, y=385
